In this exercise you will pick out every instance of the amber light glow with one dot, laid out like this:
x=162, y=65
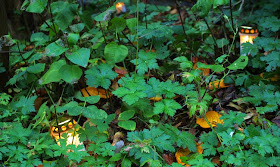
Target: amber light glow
x=66, y=126
x=247, y=34
x=120, y=7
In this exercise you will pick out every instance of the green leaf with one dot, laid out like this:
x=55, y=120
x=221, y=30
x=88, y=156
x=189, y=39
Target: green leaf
x=79, y=57
x=54, y=50
x=240, y=63
x=126, y=162
x=222, y=42
x=105, y=15
x=26, y=104
x=271, y=23
x=118, y=24
x=77, y=27
x=73, y=38
x=167, y=106
x=115, y=53
x=52, y=75
x=132, y=90
x=145, y=62
x=116, y=157
x=184, y=62
x=126, y=115
x=37, y=68
x=216, y=68
x=93, y=112
x=37, y=6
x=127, y=125
x=70, y=73
x=90, y=99
x=64, y=13
x=39, y=38
x=100, y=75
x=131, y=24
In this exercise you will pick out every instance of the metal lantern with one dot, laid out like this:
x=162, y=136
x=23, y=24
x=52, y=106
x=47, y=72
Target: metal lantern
x=247, y=34
x=65, y=125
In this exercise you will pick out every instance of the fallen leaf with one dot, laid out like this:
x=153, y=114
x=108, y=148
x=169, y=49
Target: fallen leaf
x=92, y=91
x=217, y=84
x=212, y=116
x=185, y=152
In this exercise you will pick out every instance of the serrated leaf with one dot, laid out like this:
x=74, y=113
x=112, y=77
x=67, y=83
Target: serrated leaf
x=167, y=106
x=70, y=73
x=100, y=75
x=79, y=57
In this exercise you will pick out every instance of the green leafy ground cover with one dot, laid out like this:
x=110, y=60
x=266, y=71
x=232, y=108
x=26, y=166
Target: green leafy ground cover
x=143, y=60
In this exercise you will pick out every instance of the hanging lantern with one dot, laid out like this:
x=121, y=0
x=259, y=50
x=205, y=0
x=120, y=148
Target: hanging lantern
x=247, y=34
x=120, y=7
x=65, y=125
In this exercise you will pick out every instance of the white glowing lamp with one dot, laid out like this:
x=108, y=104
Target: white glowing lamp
x=247, y=34
x=120, y=7
x=65, y=125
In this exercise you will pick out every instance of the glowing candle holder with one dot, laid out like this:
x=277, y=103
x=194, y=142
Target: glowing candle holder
x=120, y=7
x=247, y=34
x=65, y=125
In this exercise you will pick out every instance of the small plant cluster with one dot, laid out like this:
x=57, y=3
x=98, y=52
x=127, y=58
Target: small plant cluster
x=135, y=84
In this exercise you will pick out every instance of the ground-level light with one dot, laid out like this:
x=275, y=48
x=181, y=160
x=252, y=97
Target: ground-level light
x=120, y=7
x=247, y=34
x=65, y=125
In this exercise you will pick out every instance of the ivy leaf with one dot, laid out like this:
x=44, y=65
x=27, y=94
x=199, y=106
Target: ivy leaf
x=131, y=24
x=64, y=13
x=70, y=73
x=37, y=68
x=167, y=106
x=37, y=6
x=73, y=38
x=39, y=38
x=52, y=75
x=79, y=57
x=54, y=49
x=222, y=42
x=240, y=63
x=118, y=24
x=115, y=53
x=100, y=75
